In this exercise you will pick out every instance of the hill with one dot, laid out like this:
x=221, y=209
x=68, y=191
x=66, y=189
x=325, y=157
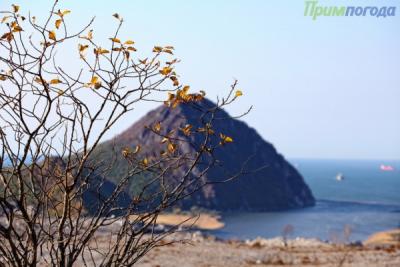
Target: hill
x=276, y=186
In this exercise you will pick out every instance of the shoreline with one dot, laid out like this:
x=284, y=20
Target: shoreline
x=206, y=223
x=196, y=249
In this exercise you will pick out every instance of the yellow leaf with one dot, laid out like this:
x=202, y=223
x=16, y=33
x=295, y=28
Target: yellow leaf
x=117, y=49
x=15, y=8
x=94, y=80
x=126, y=151
x=171, y=147
x=143, y=61
x=55, y=81
x=3, y=78
x=169, y=51
x=8, y=36
x=65, y=12
x=52, y=35
x=175, y=103
x=46, y=44
x=127, y=54
x=17, y=28
x=100, y=51
x=4, y=19
x=225, y=138
x=169, y=47
x=157, y=49
x=187, y=129
x=103, y=51
x=186, y=88
x=129, y=42
x=60, y=92
x=207, y=129
x=137, y=149
x=90, y=35
x=82, y=47
x=157, y=127
x=131, y=48
x=145, y=162
x=165, y=71
x=115, y=40
x=228, y=139
x=172, y=62
x=38, y=80
x=238, y=93
x=171, y=96
x=58, y=23
x=175, y=80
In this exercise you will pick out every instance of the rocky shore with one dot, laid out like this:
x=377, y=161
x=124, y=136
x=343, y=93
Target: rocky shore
x=193, y=248
x=198, y=250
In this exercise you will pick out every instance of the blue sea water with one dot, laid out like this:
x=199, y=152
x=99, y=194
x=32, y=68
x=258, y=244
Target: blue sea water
x=366, y=201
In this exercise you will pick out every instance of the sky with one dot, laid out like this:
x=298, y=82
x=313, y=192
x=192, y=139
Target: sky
x=328, y=88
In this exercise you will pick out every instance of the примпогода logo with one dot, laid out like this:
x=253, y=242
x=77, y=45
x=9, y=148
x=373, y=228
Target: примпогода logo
x=313, y=9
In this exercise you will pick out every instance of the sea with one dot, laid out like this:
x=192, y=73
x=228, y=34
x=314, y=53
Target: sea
x=366, y=201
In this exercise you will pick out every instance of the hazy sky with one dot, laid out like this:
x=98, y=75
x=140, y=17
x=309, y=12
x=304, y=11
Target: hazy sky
x=328, y=88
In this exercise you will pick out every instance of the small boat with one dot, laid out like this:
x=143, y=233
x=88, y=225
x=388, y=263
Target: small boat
x=340, y=177
x=386, y=168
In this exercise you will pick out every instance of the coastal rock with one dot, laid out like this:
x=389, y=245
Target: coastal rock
x=276, y=185
x=280, y=242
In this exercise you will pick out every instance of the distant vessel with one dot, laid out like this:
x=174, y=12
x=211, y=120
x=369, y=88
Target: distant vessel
x=386, y=168
x=340, y=177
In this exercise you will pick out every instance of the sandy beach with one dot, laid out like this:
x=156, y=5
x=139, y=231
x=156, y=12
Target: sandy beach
x=201, y=221
x=390, y=237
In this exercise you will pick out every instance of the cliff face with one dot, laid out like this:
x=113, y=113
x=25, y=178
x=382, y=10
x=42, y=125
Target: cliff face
x=276, y=186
